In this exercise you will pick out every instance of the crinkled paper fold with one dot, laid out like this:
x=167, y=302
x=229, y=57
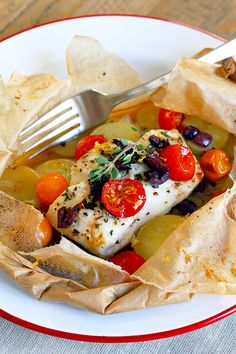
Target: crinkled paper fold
x=199, y=257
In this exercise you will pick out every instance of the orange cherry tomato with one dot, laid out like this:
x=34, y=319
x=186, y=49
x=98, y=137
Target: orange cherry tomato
x=44, y=233
x=180, y=162
x=124, y=197
x=216, y=164
x=128, y=260
x=214, y=195
x=87, y=144
x=49, y=187
x=169, y=119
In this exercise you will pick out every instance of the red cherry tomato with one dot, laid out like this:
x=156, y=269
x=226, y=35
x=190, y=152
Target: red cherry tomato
x=180, y=162
x=87, y=144
x=216, y=164
x=170, y=119
x=128, y=260
x=49, y=187
x=124, y=197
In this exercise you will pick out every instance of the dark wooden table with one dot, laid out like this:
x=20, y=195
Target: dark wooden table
x=213, y=15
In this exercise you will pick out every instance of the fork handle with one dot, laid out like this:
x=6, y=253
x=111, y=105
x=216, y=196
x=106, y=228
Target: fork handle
x=224, y=51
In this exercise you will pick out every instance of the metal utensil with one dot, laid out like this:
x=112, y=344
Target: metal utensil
x=92, y=108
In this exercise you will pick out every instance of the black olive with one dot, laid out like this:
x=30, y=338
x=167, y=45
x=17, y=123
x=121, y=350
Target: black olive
x=154, y=162
x=201, y=186
x=156, y=178
x=157, y=142
x=91, y=204
x=135, y=157
x=203, y=139
x=187, y=206
x=122, y=167
x=65, y=217
x=118, y=143
x=128, y=152
x=164, y=177
x=96, y=187
x=190, y=132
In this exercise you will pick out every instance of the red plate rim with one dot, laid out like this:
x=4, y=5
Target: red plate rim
x=121, y=339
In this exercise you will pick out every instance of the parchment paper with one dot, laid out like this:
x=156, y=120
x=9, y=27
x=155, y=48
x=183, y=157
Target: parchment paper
x=199, y=257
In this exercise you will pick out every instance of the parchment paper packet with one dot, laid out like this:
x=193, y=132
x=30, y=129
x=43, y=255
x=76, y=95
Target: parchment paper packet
x=169, y=276
x=200, y=255
x=198, y=89
x=24, y=98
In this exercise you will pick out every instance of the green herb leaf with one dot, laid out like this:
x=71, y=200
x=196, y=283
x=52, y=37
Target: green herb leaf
x=94, y=178
x=67, y=195
x=97, y=169
x=135, y=129
x=138, y=176
x=140, y=147
x=107, y=168
x=127, y=159
x=96, y=173
x=166, y=135
x=102, y=160
x=124, y=142
x=114, y=173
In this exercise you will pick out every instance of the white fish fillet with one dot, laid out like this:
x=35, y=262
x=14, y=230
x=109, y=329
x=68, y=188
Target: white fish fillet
x=102, y=233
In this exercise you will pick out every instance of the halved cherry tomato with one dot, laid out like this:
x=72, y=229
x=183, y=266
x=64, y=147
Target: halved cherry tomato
x=216, y=164
x=180, y=162
x=170, y=119
x=128, y=260
x=87, y=144
x=49, y=187
x=216, y=194
x=124, y=197
x=44, y=233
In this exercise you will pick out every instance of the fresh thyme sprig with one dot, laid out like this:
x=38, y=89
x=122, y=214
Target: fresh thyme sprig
x=106, y=167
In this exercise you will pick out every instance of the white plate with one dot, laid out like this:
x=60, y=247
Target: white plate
x=152, y=46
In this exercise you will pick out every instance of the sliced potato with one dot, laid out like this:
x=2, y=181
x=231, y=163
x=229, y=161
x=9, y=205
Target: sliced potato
x=61, y=166
x=147, y=116
x=20, y=182
x=116, y=130
x=231, y=143
x=196, y=149
x=117, y=115
x=67, y=149
x=154, y=233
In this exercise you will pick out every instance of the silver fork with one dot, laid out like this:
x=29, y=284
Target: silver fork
x=91, y=108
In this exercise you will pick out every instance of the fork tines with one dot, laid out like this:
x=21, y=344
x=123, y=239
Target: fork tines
x=47, y=128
